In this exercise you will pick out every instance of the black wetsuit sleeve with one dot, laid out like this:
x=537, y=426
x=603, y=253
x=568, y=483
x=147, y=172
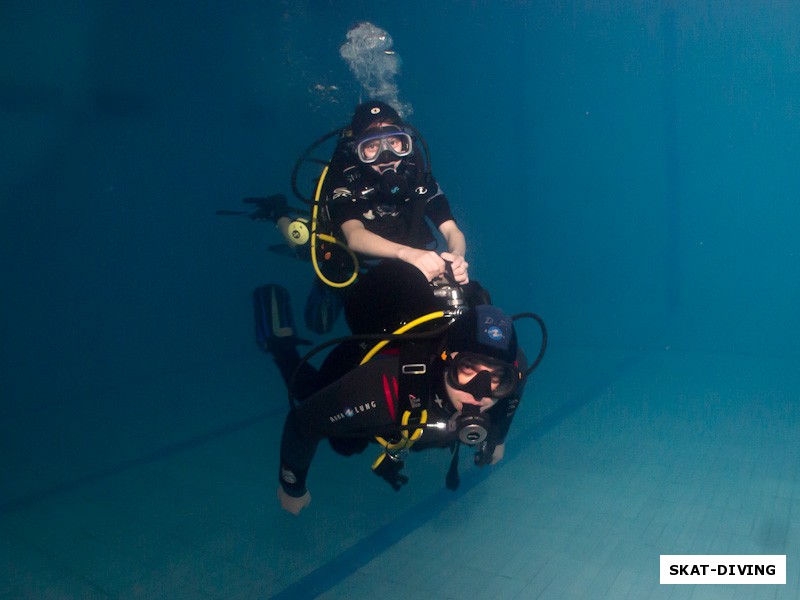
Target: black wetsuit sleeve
x=339, y=187
x=438, y=207
x=438, y=211
x=360, y=403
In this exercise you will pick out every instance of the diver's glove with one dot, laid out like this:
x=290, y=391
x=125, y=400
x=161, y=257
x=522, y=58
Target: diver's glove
x=389, y=470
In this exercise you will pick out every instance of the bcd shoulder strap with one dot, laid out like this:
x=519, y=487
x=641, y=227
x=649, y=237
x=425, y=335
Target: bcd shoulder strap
x=412, y=390
x=415, y=374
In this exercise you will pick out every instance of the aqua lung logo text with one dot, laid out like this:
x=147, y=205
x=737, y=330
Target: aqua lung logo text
x=353, y=411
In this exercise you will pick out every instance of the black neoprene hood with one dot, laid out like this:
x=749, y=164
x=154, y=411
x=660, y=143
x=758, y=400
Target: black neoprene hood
x=373, y=111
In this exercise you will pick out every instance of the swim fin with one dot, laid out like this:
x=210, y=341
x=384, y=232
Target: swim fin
x=275, y=328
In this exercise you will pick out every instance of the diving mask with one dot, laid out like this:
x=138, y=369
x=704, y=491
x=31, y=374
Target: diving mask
x=487, y=377
x=391, y=140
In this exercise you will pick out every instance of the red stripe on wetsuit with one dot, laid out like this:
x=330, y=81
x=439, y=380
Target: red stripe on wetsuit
x=390, y=393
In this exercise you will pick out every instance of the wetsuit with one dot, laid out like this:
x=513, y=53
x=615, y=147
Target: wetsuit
x=362, y=403
x=394, y=206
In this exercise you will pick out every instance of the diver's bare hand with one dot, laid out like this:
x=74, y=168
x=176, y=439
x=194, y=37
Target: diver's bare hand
x=431, y=264
x=292, y=504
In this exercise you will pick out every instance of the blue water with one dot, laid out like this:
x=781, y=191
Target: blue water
x=627, y=170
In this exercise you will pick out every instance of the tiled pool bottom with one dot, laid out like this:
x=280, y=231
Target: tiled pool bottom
x=612, y=461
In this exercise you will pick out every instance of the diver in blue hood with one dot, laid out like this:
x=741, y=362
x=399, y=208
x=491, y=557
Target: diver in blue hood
x=451, y=377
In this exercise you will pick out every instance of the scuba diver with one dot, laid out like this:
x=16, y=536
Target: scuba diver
x=374, y=199
x=451, y=373
x=380, y=194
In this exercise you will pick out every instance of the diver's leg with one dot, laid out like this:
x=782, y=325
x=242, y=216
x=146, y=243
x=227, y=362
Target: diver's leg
x=353, y=406
x=342, y=359
x=302, y=381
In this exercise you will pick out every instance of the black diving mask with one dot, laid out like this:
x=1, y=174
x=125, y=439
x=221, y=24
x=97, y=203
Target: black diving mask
x=488, y=377
x=385, y=143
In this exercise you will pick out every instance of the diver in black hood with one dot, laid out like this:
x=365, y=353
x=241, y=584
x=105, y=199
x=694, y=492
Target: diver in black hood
x=380, y=195
x=375, y=199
